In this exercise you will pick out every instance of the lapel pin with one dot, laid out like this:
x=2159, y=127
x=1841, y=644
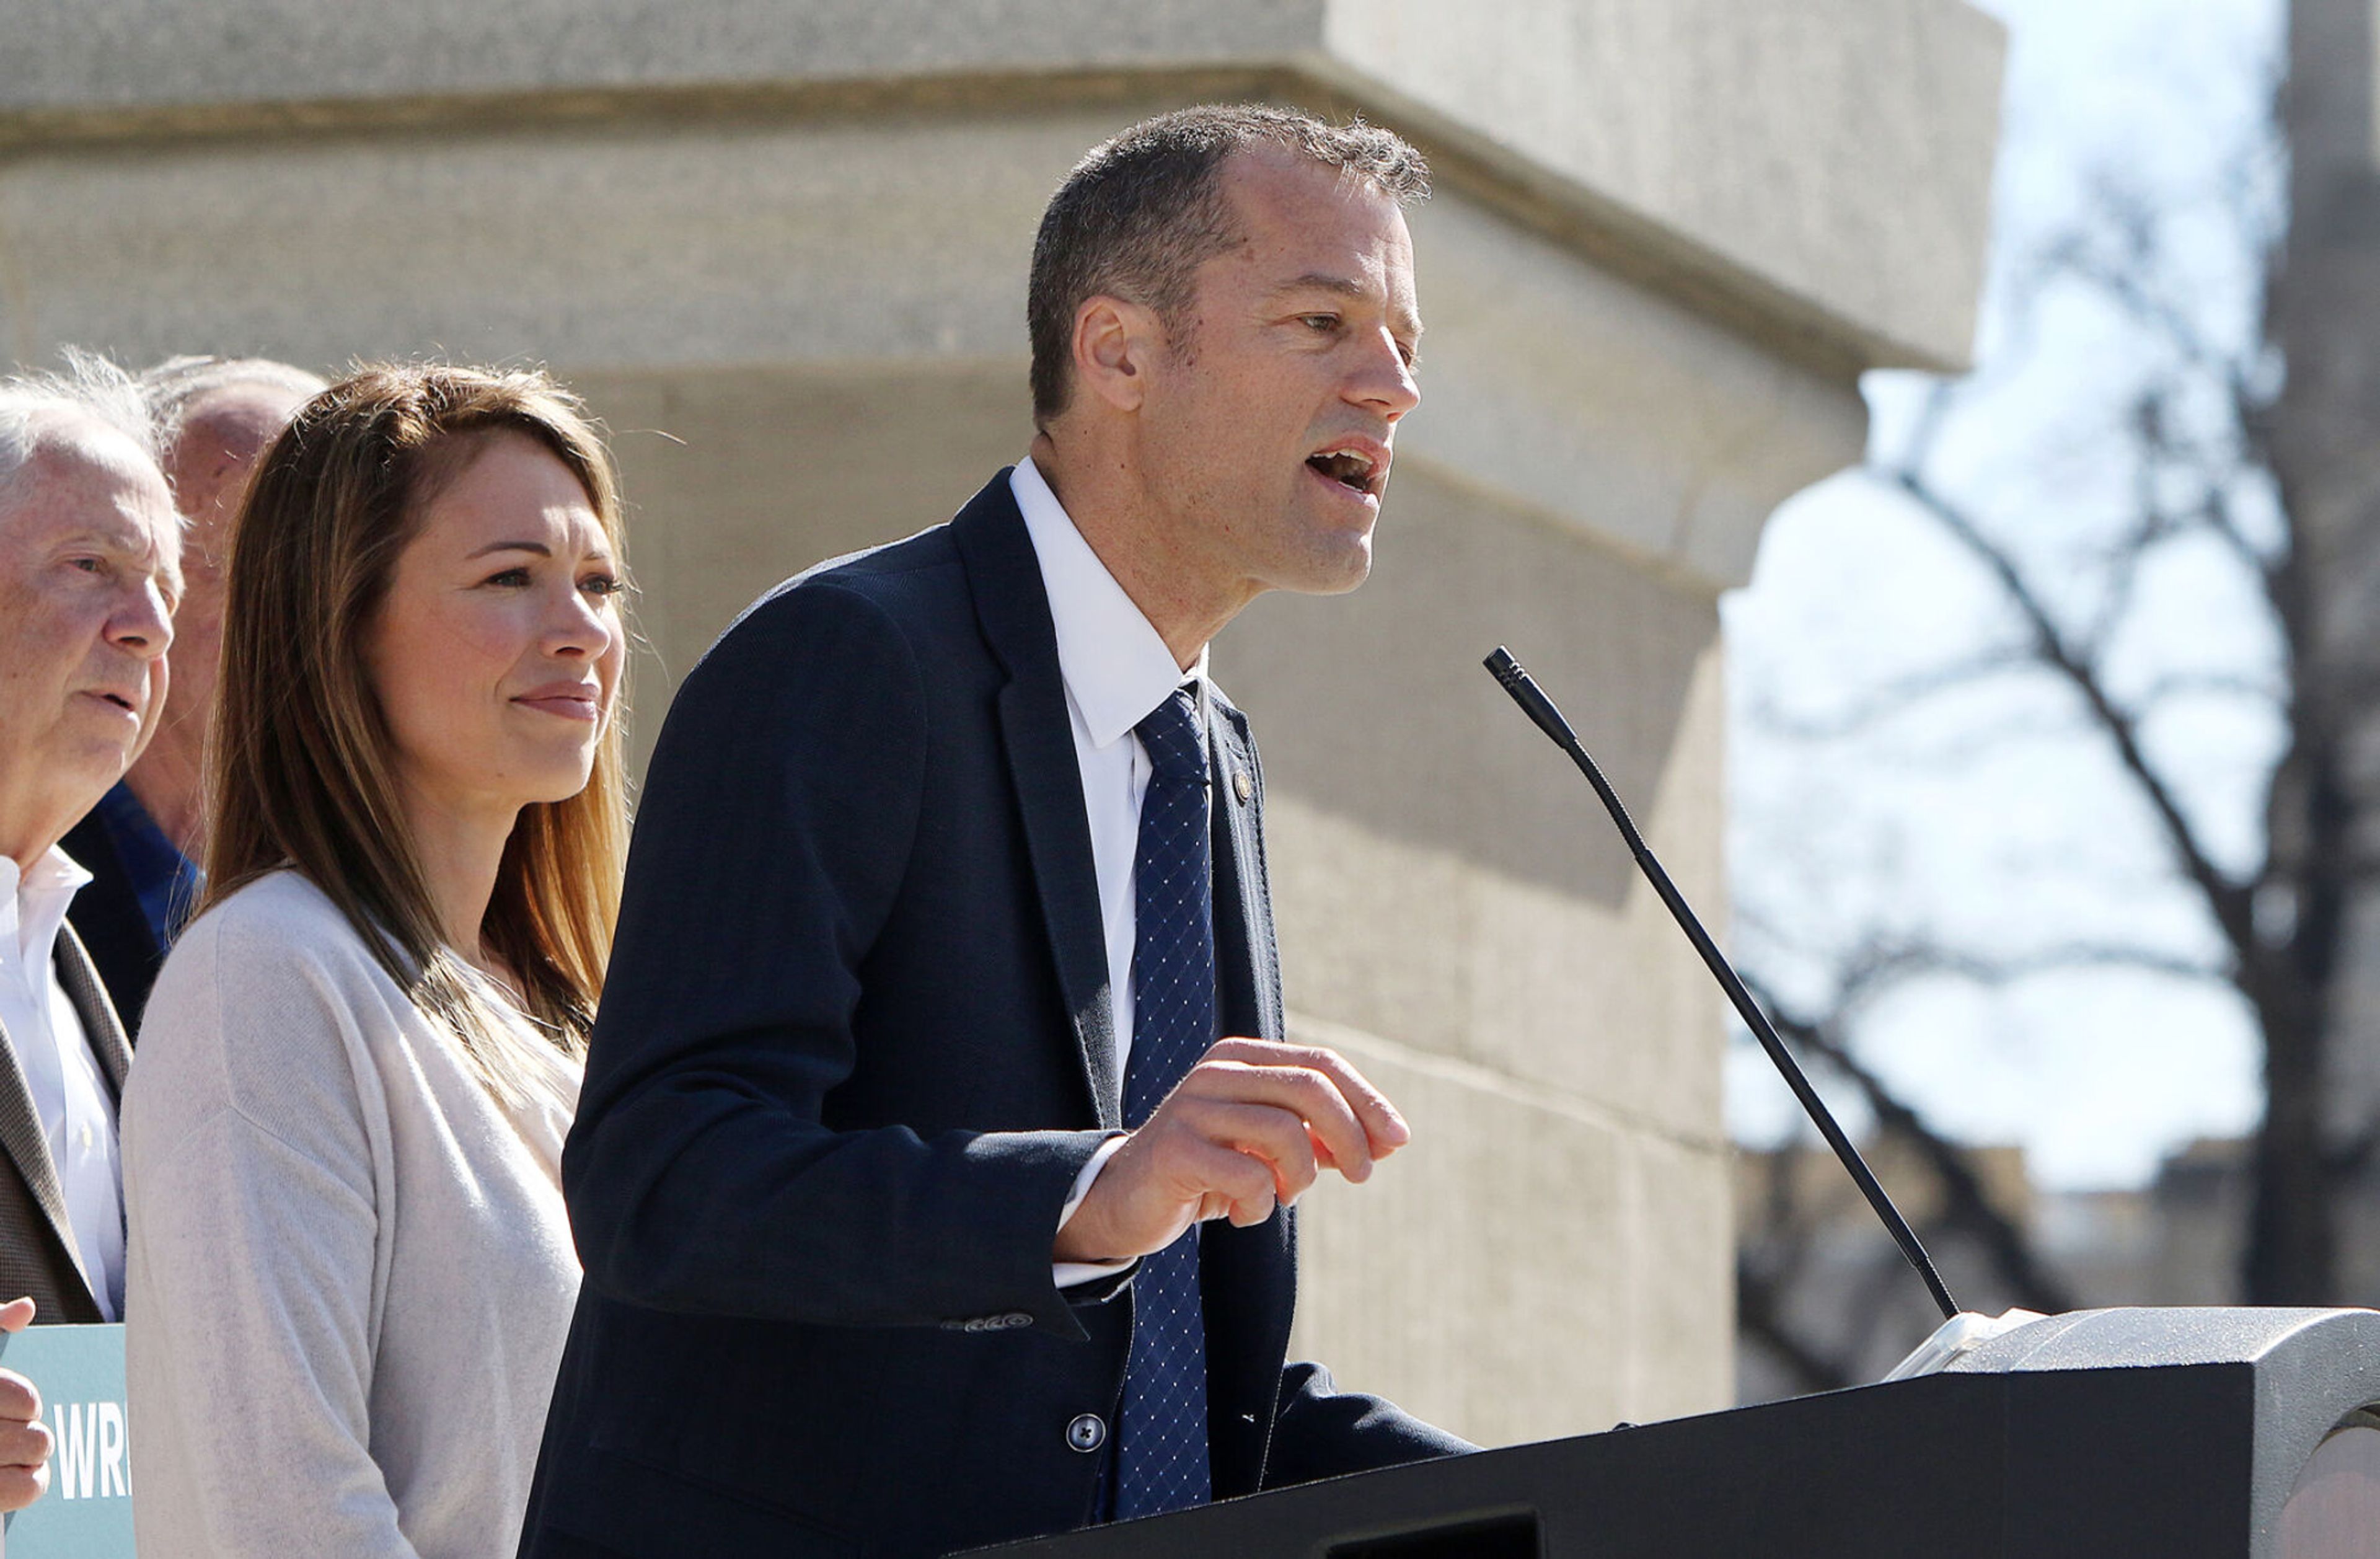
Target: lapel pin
x=1243, y=786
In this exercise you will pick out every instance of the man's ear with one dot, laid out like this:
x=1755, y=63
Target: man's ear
x=1116, y=343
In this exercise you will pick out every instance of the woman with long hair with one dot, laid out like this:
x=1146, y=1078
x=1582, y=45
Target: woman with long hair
x=351, y=1270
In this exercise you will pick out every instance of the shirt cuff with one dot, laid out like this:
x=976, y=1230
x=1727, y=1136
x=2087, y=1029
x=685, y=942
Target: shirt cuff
x=1070, y=1274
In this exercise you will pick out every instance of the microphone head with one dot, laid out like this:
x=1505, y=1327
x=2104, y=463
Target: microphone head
x=1514, y=679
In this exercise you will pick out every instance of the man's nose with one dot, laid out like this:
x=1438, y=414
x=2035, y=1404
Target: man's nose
x=1385, y=379
x=142, y=623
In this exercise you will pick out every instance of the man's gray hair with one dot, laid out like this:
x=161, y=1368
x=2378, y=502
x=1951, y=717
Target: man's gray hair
x=176, y=386
x=37, y=407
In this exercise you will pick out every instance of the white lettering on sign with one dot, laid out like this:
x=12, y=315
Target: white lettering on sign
x=77, y=1428
x=89, y=1462
x=112, y=1484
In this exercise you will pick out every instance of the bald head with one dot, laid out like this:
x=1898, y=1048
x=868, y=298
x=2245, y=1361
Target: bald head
x=219, y=416
x=215, y=444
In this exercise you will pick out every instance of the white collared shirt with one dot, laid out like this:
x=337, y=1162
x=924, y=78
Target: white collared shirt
x=63, y=1073
x=1117, y=670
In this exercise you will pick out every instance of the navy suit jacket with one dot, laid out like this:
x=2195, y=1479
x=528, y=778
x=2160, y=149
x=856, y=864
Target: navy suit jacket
x=854, y=1049
x=107, y=913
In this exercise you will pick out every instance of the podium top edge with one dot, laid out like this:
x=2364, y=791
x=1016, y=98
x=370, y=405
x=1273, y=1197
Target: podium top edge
x=2147, y=1336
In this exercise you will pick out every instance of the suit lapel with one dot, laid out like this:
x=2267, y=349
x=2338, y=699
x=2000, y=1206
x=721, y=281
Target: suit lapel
x=1248, y=964
x=1014, y=609
x=80, y=979
x=20, y=1135
x=1247, y=1276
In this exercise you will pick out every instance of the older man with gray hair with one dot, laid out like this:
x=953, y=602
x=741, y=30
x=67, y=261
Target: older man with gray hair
x=215, y=418
x=90, y=575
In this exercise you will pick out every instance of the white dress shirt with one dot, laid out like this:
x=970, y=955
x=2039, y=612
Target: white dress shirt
x=68, y=1085
x=1117, y=670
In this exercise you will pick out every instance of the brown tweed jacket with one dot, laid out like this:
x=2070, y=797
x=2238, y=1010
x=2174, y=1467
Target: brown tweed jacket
x=36, y=1241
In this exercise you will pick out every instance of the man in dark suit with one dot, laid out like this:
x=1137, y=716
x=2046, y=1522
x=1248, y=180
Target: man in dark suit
x=90, y=550
x=933, y=1167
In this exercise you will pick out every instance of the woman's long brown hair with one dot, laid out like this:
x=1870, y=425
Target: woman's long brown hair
x=302, y=766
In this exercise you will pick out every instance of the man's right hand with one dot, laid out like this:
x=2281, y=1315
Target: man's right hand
x=24, y=1443
x=1246, y=1131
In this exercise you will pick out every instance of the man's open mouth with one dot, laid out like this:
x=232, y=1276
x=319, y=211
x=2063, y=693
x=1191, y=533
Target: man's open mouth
x=1345, y=468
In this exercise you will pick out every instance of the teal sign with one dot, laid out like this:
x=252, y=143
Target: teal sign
x=88, y=1512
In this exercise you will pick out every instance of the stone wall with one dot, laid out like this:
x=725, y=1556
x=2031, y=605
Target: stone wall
x=781, y=251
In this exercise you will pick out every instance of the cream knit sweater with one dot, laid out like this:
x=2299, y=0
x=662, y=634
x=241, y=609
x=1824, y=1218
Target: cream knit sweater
x=349, y=1270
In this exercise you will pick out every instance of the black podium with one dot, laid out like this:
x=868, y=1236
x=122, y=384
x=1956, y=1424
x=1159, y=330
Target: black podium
x=2103, y=1434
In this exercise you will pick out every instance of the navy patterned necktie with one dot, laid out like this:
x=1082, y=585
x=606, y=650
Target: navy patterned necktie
x=1162, y=1432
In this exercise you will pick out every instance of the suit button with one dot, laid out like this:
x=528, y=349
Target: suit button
x=1087, y=1432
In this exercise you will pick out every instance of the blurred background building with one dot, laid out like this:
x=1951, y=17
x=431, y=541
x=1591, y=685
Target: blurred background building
x=1830, y=1301
x=782, y=250
x=2061, y=806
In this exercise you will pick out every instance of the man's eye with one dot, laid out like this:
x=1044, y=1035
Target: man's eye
x=1319, y=321
x=88, y=564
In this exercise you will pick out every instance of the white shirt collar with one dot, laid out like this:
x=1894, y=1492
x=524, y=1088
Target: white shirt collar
x=1114, y=661
x=33, y=904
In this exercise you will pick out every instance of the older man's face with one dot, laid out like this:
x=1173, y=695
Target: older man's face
x=90, y=575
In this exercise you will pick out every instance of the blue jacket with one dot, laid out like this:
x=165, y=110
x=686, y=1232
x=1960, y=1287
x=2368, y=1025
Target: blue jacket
x=854, y=1050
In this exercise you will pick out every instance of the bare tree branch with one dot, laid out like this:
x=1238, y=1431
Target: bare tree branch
x=2225, y=900
x=2176, y=685
x=1878, y=962
x=1872, y=970
x=1966, y=1206
x=1894, y=698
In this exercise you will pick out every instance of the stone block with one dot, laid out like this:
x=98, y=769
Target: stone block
x=1549, y=384
x=1817, y=170
x=1531, y=1267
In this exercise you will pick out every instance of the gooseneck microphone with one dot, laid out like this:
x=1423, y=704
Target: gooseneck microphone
x=1540, y=707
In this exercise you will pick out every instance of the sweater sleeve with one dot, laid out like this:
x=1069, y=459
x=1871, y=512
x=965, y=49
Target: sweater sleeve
x=256, y=1142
